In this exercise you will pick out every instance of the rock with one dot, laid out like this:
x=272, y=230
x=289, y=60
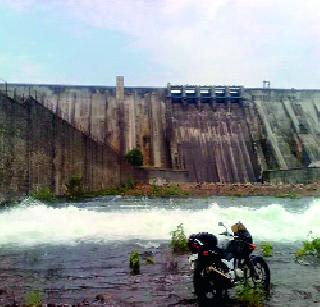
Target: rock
x=3, y=292
x=102, y=298
x=85, y=302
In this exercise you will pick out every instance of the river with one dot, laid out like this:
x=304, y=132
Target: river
x=78, y=253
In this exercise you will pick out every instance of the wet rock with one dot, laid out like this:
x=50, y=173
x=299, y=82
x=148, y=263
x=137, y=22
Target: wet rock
x=85, y=302
x=304, y=294
x=3, y=292
x=103, y=298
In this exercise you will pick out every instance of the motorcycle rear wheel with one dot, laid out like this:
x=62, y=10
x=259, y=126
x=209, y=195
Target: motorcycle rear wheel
x=201, y=286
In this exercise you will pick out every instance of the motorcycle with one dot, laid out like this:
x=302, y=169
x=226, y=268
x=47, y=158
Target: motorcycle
x=218, y=269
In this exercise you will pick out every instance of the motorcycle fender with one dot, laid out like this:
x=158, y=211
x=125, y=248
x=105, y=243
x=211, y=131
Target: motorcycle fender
x=255, y=259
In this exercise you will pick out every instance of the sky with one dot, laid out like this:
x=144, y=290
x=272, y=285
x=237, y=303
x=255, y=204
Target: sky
x=153, y=42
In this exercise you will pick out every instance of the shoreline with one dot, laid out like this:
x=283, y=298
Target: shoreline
x=288, y=191
x=235, y=190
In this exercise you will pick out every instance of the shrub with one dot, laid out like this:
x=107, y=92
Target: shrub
x=74, y=187
x=251, y=296
x=134, y=157
x=33, y=298
x=134, y=262
x=44, y=194
x=310, y=247
x=266, y=249
x=125, y=187
x=179, y=242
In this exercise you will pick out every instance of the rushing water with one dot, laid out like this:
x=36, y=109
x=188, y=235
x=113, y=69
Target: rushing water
x=76, y=251
x=116, y=218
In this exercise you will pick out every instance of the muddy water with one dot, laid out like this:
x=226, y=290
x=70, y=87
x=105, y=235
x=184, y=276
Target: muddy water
x=78, y=253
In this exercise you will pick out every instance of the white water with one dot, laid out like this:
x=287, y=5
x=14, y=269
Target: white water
x=36, y=223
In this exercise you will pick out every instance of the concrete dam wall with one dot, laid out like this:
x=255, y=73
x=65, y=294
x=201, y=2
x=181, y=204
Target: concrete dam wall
x=226, y=134
x=39, y=149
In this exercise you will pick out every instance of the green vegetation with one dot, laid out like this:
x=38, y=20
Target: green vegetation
x=149, y=260
x=134, y=157
x=266, y=248
x=179, y=242
x=44, y=194
x=310, y=247
x=290, y=195
x=33, y=298
x=251, y=296
x=123, y=189
x=75, y=187
x=166, y=191
x=134, y=262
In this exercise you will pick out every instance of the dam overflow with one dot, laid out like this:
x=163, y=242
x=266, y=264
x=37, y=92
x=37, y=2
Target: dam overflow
x=197, y=133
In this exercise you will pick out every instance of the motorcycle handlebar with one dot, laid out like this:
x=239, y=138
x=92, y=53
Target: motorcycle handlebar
x=226, y=233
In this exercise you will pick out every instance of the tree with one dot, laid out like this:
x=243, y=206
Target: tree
x=134, y=157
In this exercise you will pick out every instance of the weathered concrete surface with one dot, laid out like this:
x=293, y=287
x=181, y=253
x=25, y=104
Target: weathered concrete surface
x=270, y=129
x=213, y=143
x=291, y=125
x=38, y=148
x=303, y=175
x=160, y=175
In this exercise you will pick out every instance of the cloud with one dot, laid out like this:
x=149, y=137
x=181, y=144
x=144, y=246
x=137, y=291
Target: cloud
x=213, y=41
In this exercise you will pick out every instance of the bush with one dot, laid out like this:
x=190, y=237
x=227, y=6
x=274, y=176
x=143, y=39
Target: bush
x=44, y=194
x=311, y=247
x=74, y=187
x=125, y=187
x=134, y=262
x=251, y=296
x=135, y=157
x=33, y=298
x=179, y=242
x=266, y=249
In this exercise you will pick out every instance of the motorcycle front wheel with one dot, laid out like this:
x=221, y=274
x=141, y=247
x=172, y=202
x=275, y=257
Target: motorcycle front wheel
x=259, y=273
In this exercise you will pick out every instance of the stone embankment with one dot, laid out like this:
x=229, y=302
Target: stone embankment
x=210, y=189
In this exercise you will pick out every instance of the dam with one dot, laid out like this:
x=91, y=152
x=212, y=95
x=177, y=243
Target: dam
x=187, y=133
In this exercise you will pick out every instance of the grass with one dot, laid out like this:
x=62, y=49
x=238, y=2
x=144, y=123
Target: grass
x=134, y=262
x=290, y=195
x=123, y=189
x=266, y=248
x=251, y=296
x=310, y=247
x=167, y=191
x=179, y=242
x=33, y=298
x=75, y=191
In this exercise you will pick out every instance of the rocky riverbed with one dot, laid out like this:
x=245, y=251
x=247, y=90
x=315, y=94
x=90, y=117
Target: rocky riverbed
x=77, y=254
x=98, y=275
